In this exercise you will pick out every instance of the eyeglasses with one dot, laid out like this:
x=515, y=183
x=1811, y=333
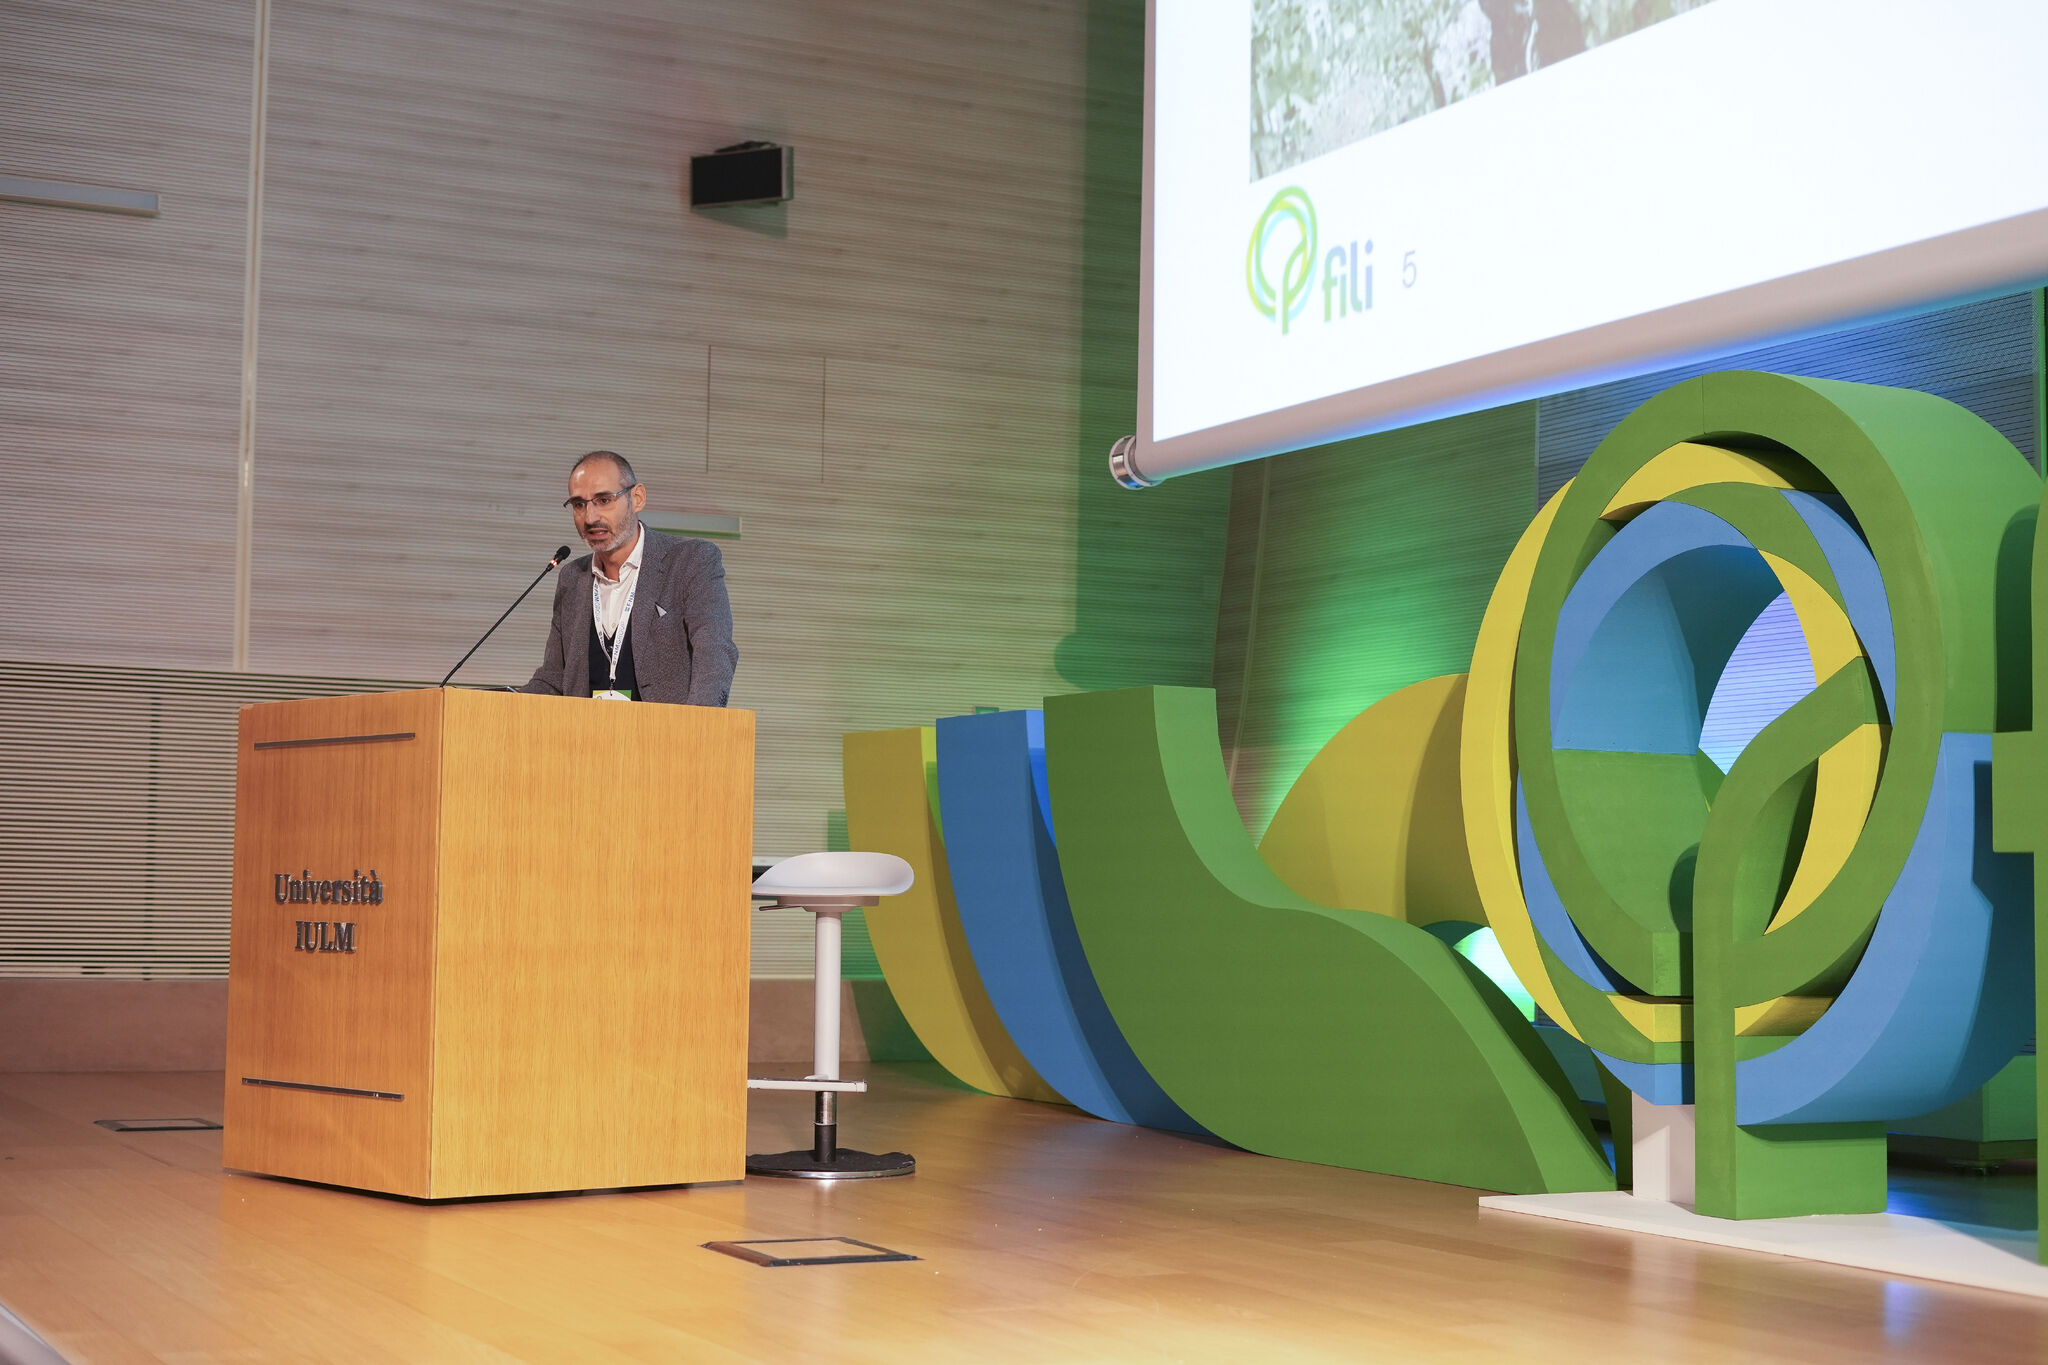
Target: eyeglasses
x=601, y=501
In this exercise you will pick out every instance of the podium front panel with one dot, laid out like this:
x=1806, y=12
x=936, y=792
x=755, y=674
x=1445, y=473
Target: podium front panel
x=331, y=950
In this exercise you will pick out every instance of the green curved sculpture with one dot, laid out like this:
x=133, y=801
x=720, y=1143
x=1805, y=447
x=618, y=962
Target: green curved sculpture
x=1336, y=1036
x=2019, y=811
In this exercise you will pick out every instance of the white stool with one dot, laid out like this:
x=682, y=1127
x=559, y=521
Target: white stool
x=828, y=885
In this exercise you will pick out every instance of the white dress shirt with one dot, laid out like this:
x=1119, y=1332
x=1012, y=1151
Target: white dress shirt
x=611, y=592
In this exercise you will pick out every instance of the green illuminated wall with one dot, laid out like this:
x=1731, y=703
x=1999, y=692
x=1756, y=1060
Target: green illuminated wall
x=1144, y=568
x=1353, y=570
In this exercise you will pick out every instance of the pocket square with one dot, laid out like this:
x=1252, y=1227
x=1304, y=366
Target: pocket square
x=660, y=610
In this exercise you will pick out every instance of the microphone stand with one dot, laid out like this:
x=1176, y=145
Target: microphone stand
x=547, y=569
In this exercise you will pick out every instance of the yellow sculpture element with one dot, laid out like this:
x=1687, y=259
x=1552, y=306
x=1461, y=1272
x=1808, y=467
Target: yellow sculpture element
x=917, y=935
x=1687, y=465
x=1847, y=780
x=1374, y=822
x=1486, y=761
x=1670, y=1021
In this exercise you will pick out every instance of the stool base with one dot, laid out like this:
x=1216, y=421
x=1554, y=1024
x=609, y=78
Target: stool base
x=844, y=1164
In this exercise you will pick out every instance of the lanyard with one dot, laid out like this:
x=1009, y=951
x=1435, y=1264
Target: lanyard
x=617, y=641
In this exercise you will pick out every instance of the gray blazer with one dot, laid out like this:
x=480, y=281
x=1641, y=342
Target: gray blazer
x=681, y=628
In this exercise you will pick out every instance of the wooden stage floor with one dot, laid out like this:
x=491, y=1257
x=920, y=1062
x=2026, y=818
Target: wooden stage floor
x=1044, y=1236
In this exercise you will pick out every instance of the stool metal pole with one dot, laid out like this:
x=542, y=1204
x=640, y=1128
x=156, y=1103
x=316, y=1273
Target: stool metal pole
x=825, y=1032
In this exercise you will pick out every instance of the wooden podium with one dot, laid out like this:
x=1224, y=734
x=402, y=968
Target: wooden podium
x=490, y=944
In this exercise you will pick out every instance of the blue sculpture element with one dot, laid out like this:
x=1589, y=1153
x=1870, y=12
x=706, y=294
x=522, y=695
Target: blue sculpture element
x=1553, y=922
x=1646, y=629
x=1941, y=998
x=994, y=801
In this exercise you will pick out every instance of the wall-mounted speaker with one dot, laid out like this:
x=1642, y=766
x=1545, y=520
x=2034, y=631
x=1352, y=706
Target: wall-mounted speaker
x=745, y=173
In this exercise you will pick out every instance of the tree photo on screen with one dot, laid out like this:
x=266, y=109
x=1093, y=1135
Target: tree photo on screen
x=1328, y=73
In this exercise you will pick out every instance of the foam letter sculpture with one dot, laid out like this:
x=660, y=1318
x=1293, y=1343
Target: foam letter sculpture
x=1374, y=822
x=1291, y=1029
x=917, y=936
x=1818, y=939
x=2020, y=793
x=1013, y=909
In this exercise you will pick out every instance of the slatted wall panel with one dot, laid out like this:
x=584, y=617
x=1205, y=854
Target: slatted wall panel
x=117, y=795
x=1375, y=564
x=784, y=945
x=1984, y=356
x=121, y=337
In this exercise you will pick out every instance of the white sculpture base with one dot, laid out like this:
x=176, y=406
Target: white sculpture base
x=1663, y=1150
x=1891, y=1243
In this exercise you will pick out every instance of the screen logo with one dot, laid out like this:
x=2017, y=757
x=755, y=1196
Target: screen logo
x=1280, y=265
x=1277, y=273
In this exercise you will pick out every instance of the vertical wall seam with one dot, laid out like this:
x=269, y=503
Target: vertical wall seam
x=245, y=472
x=707, y=406
x=1251, y=621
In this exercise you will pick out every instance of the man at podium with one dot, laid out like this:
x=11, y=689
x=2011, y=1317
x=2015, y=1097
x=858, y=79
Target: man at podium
x=643, y=616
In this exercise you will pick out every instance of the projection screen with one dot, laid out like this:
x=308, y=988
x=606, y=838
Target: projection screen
x=1360, y=214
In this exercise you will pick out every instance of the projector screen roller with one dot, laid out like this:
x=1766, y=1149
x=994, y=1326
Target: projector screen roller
x=1365, y=213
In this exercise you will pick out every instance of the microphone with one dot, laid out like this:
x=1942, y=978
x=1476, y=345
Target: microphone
x=560, y=555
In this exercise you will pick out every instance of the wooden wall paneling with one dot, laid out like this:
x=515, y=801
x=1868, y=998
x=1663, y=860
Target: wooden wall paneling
x=470, y=278
x=931, y=572
x=936, y=215
x=591, y=972
x=120, y=360
x=360, y=1020
x=767, y=417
